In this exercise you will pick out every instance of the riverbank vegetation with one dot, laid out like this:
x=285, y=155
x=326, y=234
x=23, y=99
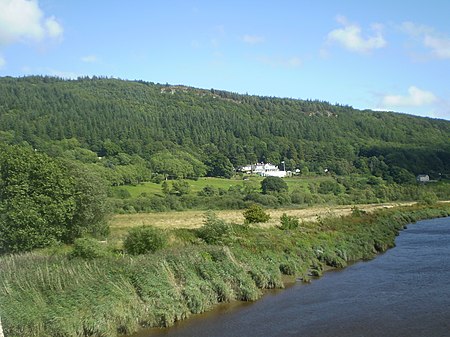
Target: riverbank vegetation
x=112, y=292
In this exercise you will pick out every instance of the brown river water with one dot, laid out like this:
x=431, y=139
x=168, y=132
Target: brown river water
x=403, y=292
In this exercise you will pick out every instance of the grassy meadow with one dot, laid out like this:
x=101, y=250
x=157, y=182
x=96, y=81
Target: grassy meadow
x=152, y=189
x=240, y=192
x=191, y=219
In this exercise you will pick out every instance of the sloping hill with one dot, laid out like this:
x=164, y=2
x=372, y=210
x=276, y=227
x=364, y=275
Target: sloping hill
x=111, y=116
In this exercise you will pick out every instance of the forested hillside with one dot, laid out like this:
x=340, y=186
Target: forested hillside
x=141, y=129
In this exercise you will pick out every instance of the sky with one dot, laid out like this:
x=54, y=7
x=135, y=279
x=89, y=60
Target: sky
x=376, y=54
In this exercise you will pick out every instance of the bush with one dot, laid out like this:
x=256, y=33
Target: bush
x=254, y=214
x=122, y=193
x=428, y=198
x=273, y=184
x=180, y=187
x=225, y=202
x=208, y=191
x=289, y=222
x=263, y=199
x=88, y=248
x=284, y=198
x=357, y=212
x=215, y=230
x=157, y=178
x=141, y=240
x=330, y=187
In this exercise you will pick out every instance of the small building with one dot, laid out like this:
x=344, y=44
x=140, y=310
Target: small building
x=264, y=170
x=423, y=178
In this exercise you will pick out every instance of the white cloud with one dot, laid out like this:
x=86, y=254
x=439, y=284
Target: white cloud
x=440, y=47
x=351, y=38
x=2, y=62
x=436, y=42
x=415, y=98
x=89, y=59
x=252, y=39
x=54, y=29
x=23, y=20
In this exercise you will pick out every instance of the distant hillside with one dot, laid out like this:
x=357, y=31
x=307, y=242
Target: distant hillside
x=145, y=120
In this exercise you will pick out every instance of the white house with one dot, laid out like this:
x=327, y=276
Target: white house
x=423, y=178
x=264, y=170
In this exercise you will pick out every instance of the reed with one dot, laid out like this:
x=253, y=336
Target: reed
x=112, y=295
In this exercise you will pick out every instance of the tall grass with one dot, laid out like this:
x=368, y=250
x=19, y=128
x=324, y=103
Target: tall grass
x=58, y=296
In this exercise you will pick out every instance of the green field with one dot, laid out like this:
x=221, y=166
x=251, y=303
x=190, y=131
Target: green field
x=149, y=188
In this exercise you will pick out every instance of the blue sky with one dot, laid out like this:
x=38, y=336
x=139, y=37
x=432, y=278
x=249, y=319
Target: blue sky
x=374, y=54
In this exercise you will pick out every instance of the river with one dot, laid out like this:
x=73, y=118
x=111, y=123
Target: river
x=403, y=292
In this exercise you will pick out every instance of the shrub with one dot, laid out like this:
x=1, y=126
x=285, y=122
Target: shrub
x=357, y=212
x=141, y=240
x=284, y=198
x=215, y=230
x=289, y=222
x=122, y=193
x=208, y=191
x=428, y=198
x=254, y=214
x=180, y=187
x=157, y=178
x=88, y=248
x=330, y=187
x=273, y=184
x=263, y=199
x=225, y=202
x=300, y=197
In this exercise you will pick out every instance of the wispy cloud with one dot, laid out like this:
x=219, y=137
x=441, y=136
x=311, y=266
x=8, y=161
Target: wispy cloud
x=220, y=29
x=195, y=44
x=350, y=37
x=27, y=70
x=63, y=74
x=442, y=109
x=440, y=47
x=90, y=59
x=22, y=20
x=215, y=42
x=437, y=43
x=415, y=98
x=279, y=61
x=2, y=62
x=253, y=39
x=415, y=30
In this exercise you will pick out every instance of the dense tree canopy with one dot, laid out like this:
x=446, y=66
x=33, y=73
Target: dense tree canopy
x=140, y=129
x=43, y=202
